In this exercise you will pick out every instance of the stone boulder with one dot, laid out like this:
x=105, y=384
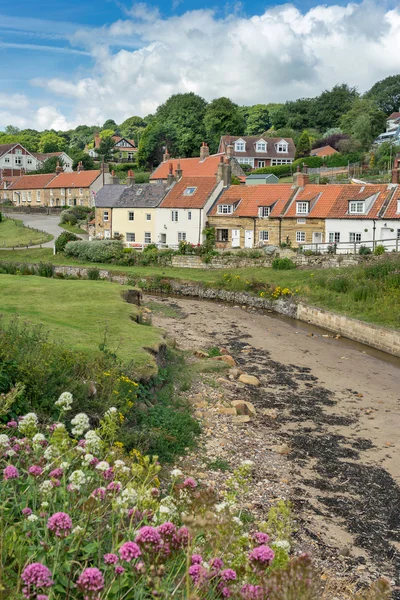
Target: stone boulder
x=243, y=407
x=226, y=358
x=249, y=379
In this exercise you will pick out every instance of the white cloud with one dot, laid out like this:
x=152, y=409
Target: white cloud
x=279, y=55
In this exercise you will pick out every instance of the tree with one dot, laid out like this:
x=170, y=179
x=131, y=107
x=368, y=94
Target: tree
x=155, y=138
x=222, y=117
x=364, y=121
x=328, y=108
x=51, y=142
x=79, y=156
x=386, y=94
x=105, y=150
x=303, y=145
x=133, y=128
x=106, y=133
x=110, y=124
x=331, y=140
x=11, y=130
x=257, y=120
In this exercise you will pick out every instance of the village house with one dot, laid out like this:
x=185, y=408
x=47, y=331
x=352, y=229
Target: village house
x=78, y=188
x=15, y=160
x=324, y=151
x=29, y=190
x=124, y=149
x=65, y=161
x=258, y=152
x=128, y=213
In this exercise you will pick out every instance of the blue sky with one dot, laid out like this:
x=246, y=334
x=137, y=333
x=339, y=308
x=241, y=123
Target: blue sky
x=84, y=60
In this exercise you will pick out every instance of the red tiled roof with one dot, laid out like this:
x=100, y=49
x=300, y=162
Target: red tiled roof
x=191, y=167
x=321, y=198
x=390, y=211
x=348, y=193
x=75, y=179
x=32, y=182
x=323, y=151
x=7, y=180
x=250, y=197
x=176, y=198
x=394, y=115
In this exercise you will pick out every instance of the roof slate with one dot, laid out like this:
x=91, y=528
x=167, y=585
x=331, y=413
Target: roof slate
x=175, y=198
x=5, y=148
x=150, y=196
x=251, y=152
x=108, y=195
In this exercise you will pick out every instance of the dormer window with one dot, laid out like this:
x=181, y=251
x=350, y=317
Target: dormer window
x=139, y=191
x=189, y=191
x=261, y=146
x=264, y=211
x=302, y=208
x=225, y=209
x=356, y=208
x=240, y=146
x=282, y=147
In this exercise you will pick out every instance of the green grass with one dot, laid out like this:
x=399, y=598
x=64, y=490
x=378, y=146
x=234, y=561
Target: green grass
x=14, y=233
x=82, y=314
x=164, y=310
x=73, y=228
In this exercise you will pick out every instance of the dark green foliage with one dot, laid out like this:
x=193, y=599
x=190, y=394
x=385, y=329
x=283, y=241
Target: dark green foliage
x=365, y=291
x=222, y=116
x=304, y=145
x=96, y=251
x=338, y=283
x=49, y=165
x=257, y=118
x=283, y=264
x=63, y=240
x=365, y=250
x=106, y=148
x=93, y=273
x=386, y=94
x=45, y=269
x=328, y=108
x=364, y=121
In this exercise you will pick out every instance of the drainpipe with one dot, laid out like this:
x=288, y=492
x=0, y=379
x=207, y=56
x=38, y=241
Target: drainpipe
x=373, y=234
x=254, y=231
x=280, y=231
x=199, y=242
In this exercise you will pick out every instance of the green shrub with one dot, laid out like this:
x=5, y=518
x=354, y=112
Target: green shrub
x=338, y=283
x=93, y=274
x=63, y=240
x=283, y=264
x=95, y=251
x=364, y=250
x=380, y=249
x=45, y=269
x=380, y=270
x=364, y=292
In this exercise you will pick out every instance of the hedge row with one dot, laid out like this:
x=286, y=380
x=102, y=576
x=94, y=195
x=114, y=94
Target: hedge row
x=313, y=162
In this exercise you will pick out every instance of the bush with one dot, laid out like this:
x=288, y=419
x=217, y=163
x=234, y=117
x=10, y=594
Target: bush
x=93, y=274
x=338, y=283
x=63, y=240
x=365, y=250
x=96, y=251
x=283, y=264
x=45, y=269
x=365, y=291
x=380, y=249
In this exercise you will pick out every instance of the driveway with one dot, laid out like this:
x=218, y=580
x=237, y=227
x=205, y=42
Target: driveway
x=47, y=223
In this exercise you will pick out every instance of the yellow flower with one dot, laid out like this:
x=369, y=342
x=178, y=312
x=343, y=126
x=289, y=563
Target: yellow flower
x=121, y=418
x=119, y=444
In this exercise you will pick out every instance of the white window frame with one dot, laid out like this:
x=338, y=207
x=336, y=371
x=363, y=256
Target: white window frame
x=18, y=152
x=181, y=236
x=261, y=147
x=29, y=161
x=132, y=235
x=225, y=209
x=147, y=237
x=131, y=215
x=240, y=146
x=300, y=236
x=148, y=216
x=357, y=207
x=62, y=191
x=29, y=196
x=281, y=161
x=24, y=196
x=189, y=191
x=69, y=192
x=302, y=208
x=18, y=160
x=107, y=234
x=282, y=147
x=106, y=215
x=333, y=237
x=174, y=216
x=261, y=164
x=264, y=211
x=355, y=237
x=7, y=159
x=263, y=235
x=301, y=221
x=246, y=161
x=81, y=191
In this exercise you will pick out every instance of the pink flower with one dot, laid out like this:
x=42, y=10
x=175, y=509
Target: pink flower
x=216, y=564
x=10, y=472
x=252, y=592
x=56, y=482
x=60, y=523
x=82, y=443
x=129, y=550
x=99, y=493
x=119, y=570
x=198, y=574
x=149, y=537
x=261, y=538
x=197, y=559
x=56, y=473
x=167, y=529
x=35, y=470
x=183, y=537
x=225, y=592
x=261, y=557
x=42, y=597
x=108, y=474
x=110, y=559
x=26, y=511
x=12, y=424
x=95, y=461
x=35, y=576
x=155, y=492
x=114, y=486
x=190, y=483
x=228, y=575
x=91, y=582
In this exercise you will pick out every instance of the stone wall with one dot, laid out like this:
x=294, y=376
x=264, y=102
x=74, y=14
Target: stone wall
x=381, y=338
x=37, y=210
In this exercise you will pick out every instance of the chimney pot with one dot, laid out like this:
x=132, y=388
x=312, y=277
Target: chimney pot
x=166, y=155
x=204, y=151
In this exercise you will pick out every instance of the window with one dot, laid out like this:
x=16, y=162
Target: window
x=355, y=237
x=356, y=208
x=15, y=196
x=398, y=206
x=147, y=237
x=130, y=155
x=139, y=191
x=51, y=192
x=174, y=216
x=261, y=147
x=80, y=202
x=189, y=215
x=38, y=198
x=189, y=191
x=398, y=234
x=281, y=161
x=225, y=209
x=7, y=159
x=105, y=215
x=18, y=160
x=148, y=217
x=69, y=192
x=261, y=163
x=222, y=235
x=23, y=196
x=29, y=196
x=181, y=236
x=302, y=208
x=301, y=221
x=69, y=202
x=62, y=191
x=130, y=237
x=300, y=236
x=246, y=161
x=334, y=237
x=282, y=147
x=264, y=211
x=29, y=161
x=18, y=152
x=81, y=191
x=240, y=146
x=131, y=215
x=264, y=236
x=163, y=238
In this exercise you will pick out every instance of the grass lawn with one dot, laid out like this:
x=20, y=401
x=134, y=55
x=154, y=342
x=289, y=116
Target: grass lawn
x=14, y=233
x=381, y=308
x=73, y=229
x=83, y=314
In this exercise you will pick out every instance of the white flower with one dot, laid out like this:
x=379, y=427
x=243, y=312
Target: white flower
x=64, y=401
x=247, y=463
x=77, y=478
x=164, y=510
x=284, y=544
x=46, y=487
x=4, y=439
x=44, y=505
x=50, y=452
x=88, y=458
x=28, y=423
x=93, y=442
x=127, y=498
x=80, y=450
x=119, y=464
x=221, y=506
x=37, y=438
x=11, y=452
x=102, y=465
x=110, y=411
x=64, y=466
x=32, y=518
x=237, y=521
x=77, y=530
x=175, y=473
x=81, y=424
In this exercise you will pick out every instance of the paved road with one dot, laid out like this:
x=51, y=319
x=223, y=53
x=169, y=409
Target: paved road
x=47, y=223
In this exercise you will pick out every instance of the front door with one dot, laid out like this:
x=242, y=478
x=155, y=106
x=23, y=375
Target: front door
x=235, y=238
x=317, y=237
x=248, y=238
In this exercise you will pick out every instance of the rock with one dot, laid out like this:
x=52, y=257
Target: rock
x=272, y=413
x=281, y=449
x=201, y=404
x=243, y=407
x=226, y=358
x=227, y=411
x=240, y=419
x=223, y=351
x=201, y=354
x=249, y=379
x=235, y=373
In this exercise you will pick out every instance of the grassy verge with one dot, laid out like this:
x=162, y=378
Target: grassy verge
x=84, y=314
x=73, y=229
x=14, y=233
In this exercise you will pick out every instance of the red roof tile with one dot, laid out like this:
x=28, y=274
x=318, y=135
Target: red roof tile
x=32, y=182
x=394, y=115
x=175, y=198
x=76, y=179
x=250, y=197
x=390, y=212
x=323, y=151
x=320, y=197
x=340, y=209
x=191, y=167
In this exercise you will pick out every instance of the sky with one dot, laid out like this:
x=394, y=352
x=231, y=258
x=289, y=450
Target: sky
x=64, y=64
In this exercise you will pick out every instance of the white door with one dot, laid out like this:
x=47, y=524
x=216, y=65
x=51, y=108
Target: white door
x=317, y=237
x=235, y=238
x=248, y=238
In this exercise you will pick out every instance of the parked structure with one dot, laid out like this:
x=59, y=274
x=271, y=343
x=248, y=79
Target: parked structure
x=257, y=151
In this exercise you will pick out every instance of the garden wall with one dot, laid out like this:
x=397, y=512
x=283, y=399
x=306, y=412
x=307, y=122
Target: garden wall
x=36, y=210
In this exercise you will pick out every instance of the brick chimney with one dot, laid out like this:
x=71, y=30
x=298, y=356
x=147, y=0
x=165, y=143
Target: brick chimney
x=59, y=168
x=395, y=171
x=226, y=172
x=229, y=150
x=178, y=172
x=130, y=180
x=80, y=167
x=170, y=178
x=301, y=178
x=97, y=140
x=204, y=151
x=220, y=171
x=114, y=179
x=166, y=155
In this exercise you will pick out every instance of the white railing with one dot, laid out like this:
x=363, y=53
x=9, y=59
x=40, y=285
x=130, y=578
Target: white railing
x=390, y=245
x=141, y=246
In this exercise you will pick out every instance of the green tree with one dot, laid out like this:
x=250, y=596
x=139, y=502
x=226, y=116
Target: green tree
x=11, y=130
x=133, y=128
x=364, y=121
x=110, y=124
x=79, y=156
x=49, y=165
x=386, y=94
x=222, y=117
x=155, y=138
x=51, y=142
x=303, y=145
x=328, y=108
x=106, y=133
x=257, y=120
x=105, y=150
